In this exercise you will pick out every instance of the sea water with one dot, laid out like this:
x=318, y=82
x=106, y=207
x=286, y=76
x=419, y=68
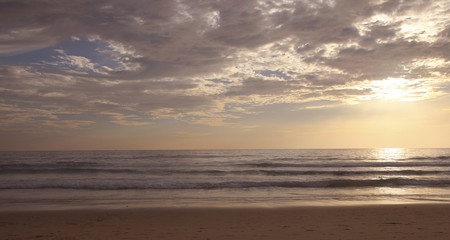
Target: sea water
x=222, y=178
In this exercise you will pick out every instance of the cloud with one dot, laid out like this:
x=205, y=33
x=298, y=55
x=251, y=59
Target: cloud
x=192, y=134
x=127, y=120
x=72, y=62
x=261, y=87
x=195, y=61
x=16, y=117
x=66, y=123
x=387, y=60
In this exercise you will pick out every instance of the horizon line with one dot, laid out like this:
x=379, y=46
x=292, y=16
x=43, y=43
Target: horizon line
x=214, y=149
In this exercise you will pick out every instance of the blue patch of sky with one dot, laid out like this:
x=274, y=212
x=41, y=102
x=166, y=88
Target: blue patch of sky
x=96, y=51
x=220, y=80
x=271, y=73
x=216, y=81
x=28, y=58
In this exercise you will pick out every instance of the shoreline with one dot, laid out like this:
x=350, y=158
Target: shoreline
x=385, y=221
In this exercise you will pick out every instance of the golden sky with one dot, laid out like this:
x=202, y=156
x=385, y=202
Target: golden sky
x=224, y=74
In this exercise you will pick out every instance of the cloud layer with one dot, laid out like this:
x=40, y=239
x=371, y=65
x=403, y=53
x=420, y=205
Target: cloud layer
x=65, y=63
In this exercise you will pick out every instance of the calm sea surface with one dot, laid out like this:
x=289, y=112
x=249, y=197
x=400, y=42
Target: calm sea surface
x=222, y=178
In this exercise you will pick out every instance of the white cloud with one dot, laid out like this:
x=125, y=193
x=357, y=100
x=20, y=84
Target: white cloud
x=76, y=63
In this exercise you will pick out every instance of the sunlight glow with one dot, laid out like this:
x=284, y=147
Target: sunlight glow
x=401, y=89
x=391, y=88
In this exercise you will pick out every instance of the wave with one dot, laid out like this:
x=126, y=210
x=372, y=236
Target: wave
x=193, y=173
x=188, y=156
x=352, y=173
x=442, y=157
x=237, y=160
x=353, y=159
x=66, y=171
x=123, y=185
x=58, y=164
x=346, y=164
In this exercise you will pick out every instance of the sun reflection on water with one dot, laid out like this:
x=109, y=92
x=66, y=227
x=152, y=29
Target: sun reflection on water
x=391, y=195
x=389, y=154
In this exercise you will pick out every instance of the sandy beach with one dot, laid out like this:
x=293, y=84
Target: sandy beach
x=344, y=222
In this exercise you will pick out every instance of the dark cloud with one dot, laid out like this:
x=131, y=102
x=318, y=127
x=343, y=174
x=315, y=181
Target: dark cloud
x=242, y=24
x=327, y=23
x=445, y=33
x=378, y=32
x=386, y=60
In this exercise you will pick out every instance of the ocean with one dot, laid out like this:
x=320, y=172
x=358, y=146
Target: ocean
x=222, y=178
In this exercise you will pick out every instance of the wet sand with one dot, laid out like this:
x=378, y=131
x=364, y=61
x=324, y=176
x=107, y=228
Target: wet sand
x=426, y=221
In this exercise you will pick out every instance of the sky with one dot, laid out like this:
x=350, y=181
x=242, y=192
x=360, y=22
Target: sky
x=224, y=74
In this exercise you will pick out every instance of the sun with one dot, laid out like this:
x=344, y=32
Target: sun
x=391, y=88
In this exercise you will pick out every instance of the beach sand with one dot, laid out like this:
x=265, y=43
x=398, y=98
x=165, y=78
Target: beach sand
x=426, y=221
